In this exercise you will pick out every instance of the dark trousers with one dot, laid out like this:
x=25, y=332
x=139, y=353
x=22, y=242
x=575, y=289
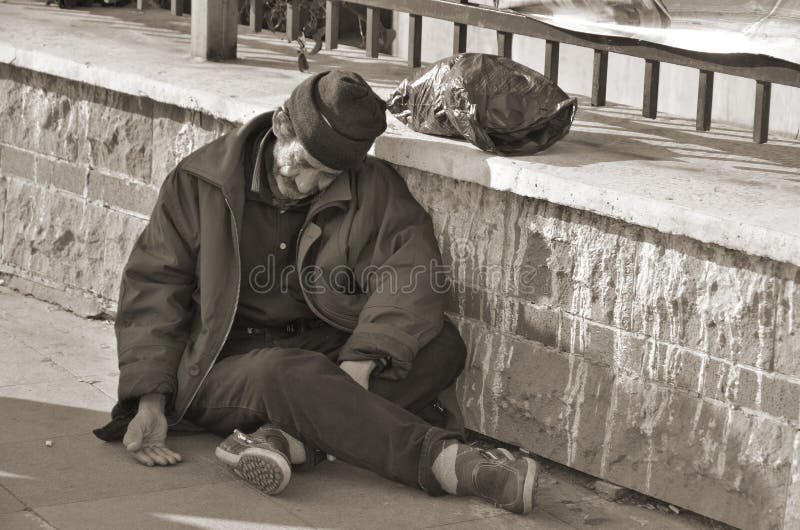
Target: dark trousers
x=293, y=382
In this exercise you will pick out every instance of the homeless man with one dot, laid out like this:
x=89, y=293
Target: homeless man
x=219, y=324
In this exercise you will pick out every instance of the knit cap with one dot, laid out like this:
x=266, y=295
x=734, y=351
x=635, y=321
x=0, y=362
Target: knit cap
x=337, y=117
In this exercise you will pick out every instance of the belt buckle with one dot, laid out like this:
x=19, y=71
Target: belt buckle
x=290, y=328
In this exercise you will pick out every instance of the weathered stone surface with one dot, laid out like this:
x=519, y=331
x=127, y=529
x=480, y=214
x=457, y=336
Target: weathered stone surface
x=792, y=516
x=595, y=342
x=537, y=324
x=43, y=113
x=77, y=122
x=119, y=134
x=494, y=309
x=120, y=235
x=537, y=397
x=731, y=466
x=131, y=196
x=3, y=194
x=673, y=365
x=176, y=133
x=44, y=233
x=64, y=175
x=787, y=339
x=707, y=298
x=16, y=163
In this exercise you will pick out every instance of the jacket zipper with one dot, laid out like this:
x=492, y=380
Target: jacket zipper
x=238, y=270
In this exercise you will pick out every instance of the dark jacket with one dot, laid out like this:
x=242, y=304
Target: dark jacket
x=180, y=287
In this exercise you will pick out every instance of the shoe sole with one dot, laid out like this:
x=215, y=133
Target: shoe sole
x=269, y=471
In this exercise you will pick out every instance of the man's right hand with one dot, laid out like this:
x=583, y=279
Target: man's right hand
x=146, y=436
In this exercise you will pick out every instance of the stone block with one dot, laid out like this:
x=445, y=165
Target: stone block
x=131, y=196
x=45, y=234
x=537, y=324
x=731, y=466
x=706, y=298
x=536, y=397
x=629, y=351
x=673, y=365
x=121, y=232
x=792, y=515
x=45, y=114
x=64, y=175
x=593, y=341
x=717, y=378
x=119, y=134
x=494, y=309
x=176, y=133
x=787, y=338
x=16, y=163
x=781, y=397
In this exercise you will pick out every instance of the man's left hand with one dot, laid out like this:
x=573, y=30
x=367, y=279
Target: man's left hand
x=359, y=371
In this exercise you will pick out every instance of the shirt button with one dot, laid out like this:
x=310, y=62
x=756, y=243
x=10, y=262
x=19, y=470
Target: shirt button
x=282, y=246
x=194, y=370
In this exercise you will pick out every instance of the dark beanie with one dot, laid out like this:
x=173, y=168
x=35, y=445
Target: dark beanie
x=336, y=116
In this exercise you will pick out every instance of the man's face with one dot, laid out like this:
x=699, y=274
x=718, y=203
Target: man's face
x=297, y=173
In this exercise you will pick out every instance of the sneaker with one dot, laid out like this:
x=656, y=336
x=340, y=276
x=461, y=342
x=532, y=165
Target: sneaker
x=260, y=458
x=499, y=477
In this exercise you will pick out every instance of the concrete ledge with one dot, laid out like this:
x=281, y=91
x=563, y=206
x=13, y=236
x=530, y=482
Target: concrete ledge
x=714, y=187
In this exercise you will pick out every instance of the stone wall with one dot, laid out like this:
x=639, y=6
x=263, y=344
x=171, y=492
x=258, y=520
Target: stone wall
x=654, y=361
x=80, y=168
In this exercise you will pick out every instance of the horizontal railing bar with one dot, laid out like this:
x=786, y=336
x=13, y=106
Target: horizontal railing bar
x=758, y=67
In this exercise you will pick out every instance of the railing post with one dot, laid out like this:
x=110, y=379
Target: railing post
x=332, y=10
x=292, y=21
x=504, y=42
x=460, y=36
x=599, y=78
x=256, y=15
x=373, y=32
x=705, y=96
x=414, y=40
x=176, y=7
x=214, y=29
x=761, y=120
x=650, y=100
x=551, y=60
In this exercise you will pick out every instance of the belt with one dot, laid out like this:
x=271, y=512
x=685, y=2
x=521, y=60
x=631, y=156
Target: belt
x=292, y=327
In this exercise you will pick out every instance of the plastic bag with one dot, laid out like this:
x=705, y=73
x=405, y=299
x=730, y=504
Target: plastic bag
x=495, y=103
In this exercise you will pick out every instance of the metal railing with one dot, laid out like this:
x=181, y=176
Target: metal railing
x=762, y=69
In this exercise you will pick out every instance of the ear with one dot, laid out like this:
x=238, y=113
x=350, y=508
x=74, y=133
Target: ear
x=282, y=125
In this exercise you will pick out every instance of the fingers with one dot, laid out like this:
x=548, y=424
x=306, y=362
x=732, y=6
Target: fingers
x=175, y=456
x=142, y=458
x=157, y=456
x=171, y=456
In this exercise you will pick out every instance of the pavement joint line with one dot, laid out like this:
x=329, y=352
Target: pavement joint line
x=44, y=523
x=113, y=497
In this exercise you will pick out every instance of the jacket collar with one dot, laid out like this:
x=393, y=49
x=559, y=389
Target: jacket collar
x=221, y=163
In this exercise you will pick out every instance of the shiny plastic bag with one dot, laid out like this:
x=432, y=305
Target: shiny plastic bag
x=495, y=103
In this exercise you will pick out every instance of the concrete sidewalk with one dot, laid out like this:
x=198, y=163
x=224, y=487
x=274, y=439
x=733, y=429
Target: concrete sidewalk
x=59, y=381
